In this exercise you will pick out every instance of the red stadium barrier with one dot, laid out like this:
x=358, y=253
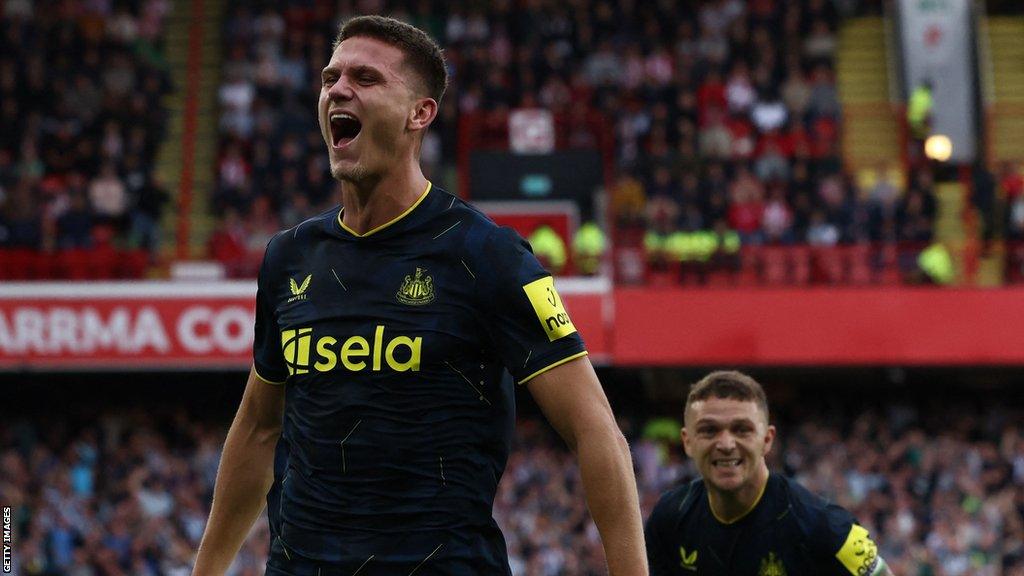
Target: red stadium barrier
x=837, y=326
x=100, y=263
x=183, y=326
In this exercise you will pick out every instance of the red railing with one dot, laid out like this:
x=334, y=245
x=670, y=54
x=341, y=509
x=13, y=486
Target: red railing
x=103, y=263
x=191, y=115
x=792, y=266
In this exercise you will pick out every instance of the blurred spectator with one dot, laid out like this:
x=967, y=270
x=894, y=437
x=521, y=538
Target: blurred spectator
x=746, y=210
x=74, y=227
x=747, y=88
x=127, y=490
x=108, y=196
x=81, y=91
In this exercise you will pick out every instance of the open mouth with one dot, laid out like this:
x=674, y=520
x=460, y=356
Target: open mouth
x=344, y=128
x=726, y=463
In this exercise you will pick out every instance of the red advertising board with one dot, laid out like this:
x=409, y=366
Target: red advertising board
x=169, y=326
x=818, y=327
x=182, y=326
x=126, y=325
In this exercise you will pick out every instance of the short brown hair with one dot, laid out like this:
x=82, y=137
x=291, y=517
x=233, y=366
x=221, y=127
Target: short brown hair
x=729, y=384
x=422, y=53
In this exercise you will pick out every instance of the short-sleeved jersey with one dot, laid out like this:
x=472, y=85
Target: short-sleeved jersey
x=789, y=532
x=392, y=346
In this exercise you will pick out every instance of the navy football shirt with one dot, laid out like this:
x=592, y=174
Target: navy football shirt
x=392, y=346
x=789, y=532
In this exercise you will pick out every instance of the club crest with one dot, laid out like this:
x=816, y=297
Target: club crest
x=416, y=290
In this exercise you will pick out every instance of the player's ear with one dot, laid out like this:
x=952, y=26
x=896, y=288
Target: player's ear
x=422, y=114
x=686, y=440
x=769, y=438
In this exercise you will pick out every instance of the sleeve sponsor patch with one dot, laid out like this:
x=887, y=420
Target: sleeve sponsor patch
x=859, y=553
x=549, y=309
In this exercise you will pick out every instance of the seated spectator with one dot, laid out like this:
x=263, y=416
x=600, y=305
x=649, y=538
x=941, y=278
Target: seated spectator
x=229, y=241
x=768, y=112
x=820, y=45
x=663, y=200
x=746, y=210
x=739, y=90
x=81, y=104
x=20, y=216
x=715, y=138
x=824, y=99
x=821, y=232
x=108, y=197
x=796, y=92
x=628, y=201
x=778, y=217
x=74, y=227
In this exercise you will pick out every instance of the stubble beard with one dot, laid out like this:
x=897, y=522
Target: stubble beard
x=357, y=174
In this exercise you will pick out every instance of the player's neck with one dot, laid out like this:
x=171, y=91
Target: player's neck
x=367, y=207
x=729, y=507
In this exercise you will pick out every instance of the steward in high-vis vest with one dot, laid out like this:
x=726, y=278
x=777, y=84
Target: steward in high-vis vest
x=937, y=264
x=549, y=248
x=588, y=247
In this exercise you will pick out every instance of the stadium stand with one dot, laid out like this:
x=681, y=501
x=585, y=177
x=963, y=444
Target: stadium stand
x=725, y=116
x=126, y=490
x=80, y=102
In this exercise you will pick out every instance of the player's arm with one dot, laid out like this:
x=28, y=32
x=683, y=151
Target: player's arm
x=245, y=475
x=856, y=553
x=572, y=400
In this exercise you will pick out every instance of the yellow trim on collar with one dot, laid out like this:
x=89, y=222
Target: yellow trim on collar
x=388, y=223
x=741, y=516
x=552, y=365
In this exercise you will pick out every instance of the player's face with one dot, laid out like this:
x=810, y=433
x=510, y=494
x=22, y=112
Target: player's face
x=366, y=105
x=727, y=439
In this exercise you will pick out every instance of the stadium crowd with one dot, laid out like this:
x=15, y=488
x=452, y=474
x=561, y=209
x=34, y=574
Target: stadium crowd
x=81, y=87
x=725, y=113
x=127, y=491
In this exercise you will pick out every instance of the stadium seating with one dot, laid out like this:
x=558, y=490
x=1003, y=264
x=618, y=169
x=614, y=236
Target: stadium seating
x=81, y=90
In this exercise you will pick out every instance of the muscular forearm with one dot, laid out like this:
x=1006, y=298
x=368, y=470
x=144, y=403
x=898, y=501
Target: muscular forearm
x=243, y=480
x=607, y=472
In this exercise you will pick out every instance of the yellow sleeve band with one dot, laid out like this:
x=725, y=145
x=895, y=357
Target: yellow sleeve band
x=859, y=553
x=552, y=365
x=256, y=372
x=549, y=308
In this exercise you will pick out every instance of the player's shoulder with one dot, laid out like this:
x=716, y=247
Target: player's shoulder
x=806, y=504
x=809, y=508
x=284, y=246
x=478, y=224
x=823, y=522
x=483, y=240
x=677, y=503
